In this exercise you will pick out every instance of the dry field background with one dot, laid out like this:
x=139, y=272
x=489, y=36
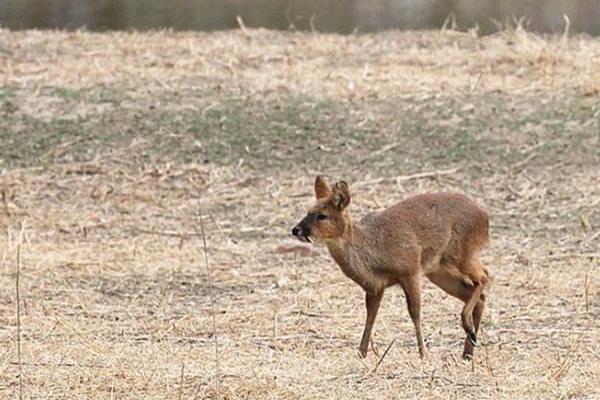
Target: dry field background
x=112, y=145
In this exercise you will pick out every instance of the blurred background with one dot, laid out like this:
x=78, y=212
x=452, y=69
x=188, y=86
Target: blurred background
x=342, y=16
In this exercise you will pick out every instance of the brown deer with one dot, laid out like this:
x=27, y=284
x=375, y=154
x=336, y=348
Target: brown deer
x=439, y=235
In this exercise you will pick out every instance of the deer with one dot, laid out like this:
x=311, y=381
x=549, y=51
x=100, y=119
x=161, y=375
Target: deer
x=436, y=235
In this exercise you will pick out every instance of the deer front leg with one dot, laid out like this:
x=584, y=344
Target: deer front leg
x=372, y=302
x=412, y=290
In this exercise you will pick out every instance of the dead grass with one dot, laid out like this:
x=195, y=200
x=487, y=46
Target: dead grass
x=111, y=142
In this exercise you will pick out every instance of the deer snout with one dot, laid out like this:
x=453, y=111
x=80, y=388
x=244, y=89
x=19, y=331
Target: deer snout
x=301, y=233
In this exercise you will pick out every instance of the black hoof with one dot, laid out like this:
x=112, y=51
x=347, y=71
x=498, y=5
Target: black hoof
x=472, y=338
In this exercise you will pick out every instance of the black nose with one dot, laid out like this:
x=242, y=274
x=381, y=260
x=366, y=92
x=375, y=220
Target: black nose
x=295, y=231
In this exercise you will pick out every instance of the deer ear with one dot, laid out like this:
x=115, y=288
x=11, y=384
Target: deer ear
x=322, y=189
x=340, y=195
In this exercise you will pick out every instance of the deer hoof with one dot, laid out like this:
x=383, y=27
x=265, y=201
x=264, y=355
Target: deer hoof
x=362, y=353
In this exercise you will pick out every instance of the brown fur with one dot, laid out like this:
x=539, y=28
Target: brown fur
x=438, y=235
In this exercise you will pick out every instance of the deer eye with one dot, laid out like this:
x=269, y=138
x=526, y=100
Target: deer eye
x=321, y=217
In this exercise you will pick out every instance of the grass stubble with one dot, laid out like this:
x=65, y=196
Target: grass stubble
x=110, y=143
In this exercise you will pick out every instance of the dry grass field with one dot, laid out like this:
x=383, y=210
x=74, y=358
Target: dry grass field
x=114, y=146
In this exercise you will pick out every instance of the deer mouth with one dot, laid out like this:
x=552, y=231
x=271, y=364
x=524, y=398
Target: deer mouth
x=302, y=234
x=304, y=238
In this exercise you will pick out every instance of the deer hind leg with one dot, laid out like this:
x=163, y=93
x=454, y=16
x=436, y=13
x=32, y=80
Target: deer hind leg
x=477, y=314
x=412, y=290
x=372, y=302
x=466, y=315
x=475, y=305
x=467, y=287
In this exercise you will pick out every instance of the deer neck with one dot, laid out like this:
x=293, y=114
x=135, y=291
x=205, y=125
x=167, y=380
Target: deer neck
x=350, y=251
